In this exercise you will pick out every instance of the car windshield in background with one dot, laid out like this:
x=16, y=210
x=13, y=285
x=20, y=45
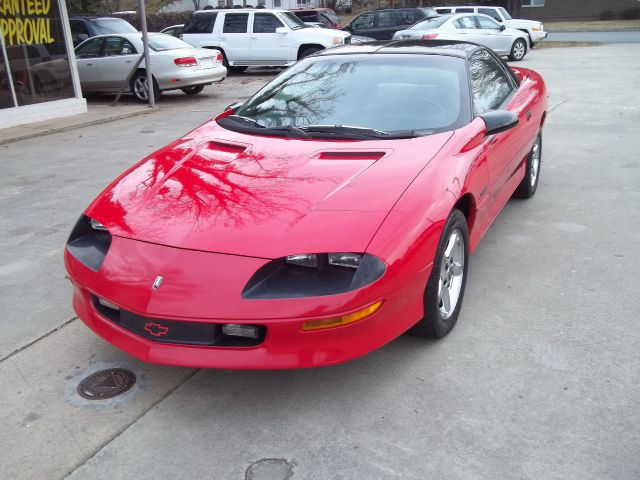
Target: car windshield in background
x=105, y=26
x=160, y=43
x=430, y=24
x=292, y=21
x=386, y=94
x=505, y=14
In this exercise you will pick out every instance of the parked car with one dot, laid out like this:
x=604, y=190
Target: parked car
x=330, y=213
x=382, y=24
x=105, y=62
x=322, y=16
x=258, y=37
x=480, y=29
x=173, y=30
x=87, y=27
x=534, y=30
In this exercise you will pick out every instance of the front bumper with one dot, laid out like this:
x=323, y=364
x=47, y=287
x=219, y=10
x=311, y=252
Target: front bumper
x=199, y=288
x=538, y=36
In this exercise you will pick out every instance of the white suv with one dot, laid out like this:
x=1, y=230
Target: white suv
x=258, y=37
x=535, y=30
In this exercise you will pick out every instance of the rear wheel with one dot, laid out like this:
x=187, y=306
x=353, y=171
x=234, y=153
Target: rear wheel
x=139, y=87
x=445, y=287
x=194, y=90
x=529, y=183
x=518, y=50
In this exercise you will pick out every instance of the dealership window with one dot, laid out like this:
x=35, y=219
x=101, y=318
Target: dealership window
x=533, y=3
x=34, y=65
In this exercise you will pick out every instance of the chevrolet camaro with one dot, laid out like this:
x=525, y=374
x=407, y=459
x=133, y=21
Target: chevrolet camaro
x=333, y=211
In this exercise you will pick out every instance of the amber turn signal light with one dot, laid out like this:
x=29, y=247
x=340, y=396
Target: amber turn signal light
x=344, y=320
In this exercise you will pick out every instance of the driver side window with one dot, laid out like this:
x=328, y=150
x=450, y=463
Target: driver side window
x=490, y=83
x=487, y=23
x=363, y=22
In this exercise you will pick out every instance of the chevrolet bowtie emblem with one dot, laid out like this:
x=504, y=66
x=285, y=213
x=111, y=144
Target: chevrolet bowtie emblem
x=157, y=282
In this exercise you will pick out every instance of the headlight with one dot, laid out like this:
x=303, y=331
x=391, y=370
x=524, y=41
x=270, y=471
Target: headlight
x=536, y=29
x=338, y=40
x=89, y=242
x=313, y=275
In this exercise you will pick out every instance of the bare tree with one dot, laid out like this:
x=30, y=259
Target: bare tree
x=196, y=4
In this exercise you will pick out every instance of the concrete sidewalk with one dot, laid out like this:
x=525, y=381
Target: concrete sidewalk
x=98, y=112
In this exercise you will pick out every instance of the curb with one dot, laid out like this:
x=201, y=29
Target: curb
x=65, y=128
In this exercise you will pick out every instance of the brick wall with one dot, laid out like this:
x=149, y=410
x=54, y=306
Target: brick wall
x=581, y=10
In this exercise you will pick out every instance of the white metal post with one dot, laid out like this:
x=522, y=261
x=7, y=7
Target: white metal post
x=147, y=59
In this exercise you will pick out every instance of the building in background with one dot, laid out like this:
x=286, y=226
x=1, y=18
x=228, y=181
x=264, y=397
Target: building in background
x=568, y=10
x=38, y=75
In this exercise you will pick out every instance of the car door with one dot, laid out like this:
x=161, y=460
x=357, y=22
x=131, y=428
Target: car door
x=115, y=62
x=493, y=88
x=362, y=24
x=266, y=44
x=489, y=33
x=235, y=39
x=385, y=24
x=87, y=60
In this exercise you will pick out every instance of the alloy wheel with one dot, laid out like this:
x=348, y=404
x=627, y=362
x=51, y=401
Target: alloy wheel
x=451, y=274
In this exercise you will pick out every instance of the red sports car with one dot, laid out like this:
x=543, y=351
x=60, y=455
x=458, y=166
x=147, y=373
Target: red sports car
x=330, y=213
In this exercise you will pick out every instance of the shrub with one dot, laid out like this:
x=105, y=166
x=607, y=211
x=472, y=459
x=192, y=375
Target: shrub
x=158, y=21
x=630, y=14
x=607, y=15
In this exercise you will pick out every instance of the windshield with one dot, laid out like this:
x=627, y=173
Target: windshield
x=430, y=24
x=385, y=93
x=293, y=22
x=505, y=14
x=160, y=43
x=115, y=25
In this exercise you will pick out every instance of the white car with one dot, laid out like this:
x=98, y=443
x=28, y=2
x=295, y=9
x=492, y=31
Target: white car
x=480, y=29
x=106, y=61
x=533, y=29
x=258, y=37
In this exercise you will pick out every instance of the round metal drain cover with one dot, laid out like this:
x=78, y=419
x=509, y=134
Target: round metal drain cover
x=106, y=384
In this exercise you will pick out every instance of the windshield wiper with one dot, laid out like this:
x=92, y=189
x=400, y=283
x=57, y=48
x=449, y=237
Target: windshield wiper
x=290, y=129
x=356, y=132
x=251, y=121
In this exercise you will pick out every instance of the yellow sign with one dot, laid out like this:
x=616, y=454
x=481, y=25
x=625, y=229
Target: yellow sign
x=24, y=22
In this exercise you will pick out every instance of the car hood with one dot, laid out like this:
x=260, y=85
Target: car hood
x=324, y=33
x=220, y=191
x=518, y=23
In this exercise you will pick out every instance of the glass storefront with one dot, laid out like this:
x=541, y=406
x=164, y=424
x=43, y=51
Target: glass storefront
x=34, y=65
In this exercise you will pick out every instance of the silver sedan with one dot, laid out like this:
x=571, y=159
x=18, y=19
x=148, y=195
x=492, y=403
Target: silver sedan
x=476, y=28
x=106, y=62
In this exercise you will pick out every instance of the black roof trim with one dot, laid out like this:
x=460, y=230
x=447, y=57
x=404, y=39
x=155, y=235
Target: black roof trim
x=451, y=48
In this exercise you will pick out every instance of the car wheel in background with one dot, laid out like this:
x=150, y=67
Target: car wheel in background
x=194, y=90
x=518, y=50
x=529, y=184
x=445, y=287
x=309, y=51
x=139, y=87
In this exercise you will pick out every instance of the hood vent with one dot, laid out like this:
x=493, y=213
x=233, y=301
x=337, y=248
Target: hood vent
x=353, y=155
x=226, y=147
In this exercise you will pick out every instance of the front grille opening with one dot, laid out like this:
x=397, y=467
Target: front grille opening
x=184, y=333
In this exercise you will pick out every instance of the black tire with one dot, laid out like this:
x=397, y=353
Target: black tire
x=141, y=78
x=518, y=50
x=529, y=183
x=308, y=51
x=194, y=90
x=434, y=324
x=236, y=70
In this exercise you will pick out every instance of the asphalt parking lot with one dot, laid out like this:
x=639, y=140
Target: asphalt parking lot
x=539, y=380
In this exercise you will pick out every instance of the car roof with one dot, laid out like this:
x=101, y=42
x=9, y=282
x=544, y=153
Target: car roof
x=95, y=17
x=240, y=10
x=469, y=6
x=449, y=48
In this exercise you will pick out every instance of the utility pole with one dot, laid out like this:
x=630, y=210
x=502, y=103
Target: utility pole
x=147, y=59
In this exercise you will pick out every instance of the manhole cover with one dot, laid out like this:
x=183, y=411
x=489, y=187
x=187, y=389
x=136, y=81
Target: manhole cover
x=106, y=384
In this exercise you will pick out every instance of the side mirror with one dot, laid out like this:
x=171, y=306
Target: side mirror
x=502, y=28
x=281, y=30
x=233, y=106
x=499, y=121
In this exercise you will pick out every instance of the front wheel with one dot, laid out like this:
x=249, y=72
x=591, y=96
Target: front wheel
x=518, y=50
x=194, y=90
x=445, y=287
x=529, y=183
